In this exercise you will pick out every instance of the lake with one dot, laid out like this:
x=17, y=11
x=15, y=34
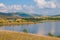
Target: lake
x=40, y=28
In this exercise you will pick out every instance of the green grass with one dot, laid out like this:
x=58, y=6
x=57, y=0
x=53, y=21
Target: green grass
x=9, y=35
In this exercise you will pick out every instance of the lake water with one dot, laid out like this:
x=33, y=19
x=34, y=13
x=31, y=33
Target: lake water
x=41, y=28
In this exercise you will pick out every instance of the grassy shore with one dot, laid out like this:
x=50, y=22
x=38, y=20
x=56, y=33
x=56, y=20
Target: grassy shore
x=25, y=22
x=17, y=21
x=49, y=21
x=14, y=22
x=10, y=35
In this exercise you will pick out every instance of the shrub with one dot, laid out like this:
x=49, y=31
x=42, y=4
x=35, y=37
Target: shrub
x=25, y=30
x=50, y=34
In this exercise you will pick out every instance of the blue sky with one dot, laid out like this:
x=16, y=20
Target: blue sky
x=44, y=7
x=20, y=2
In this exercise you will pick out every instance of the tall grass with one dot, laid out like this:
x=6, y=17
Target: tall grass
x=8, y=35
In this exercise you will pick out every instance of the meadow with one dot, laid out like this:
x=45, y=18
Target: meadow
x=10, y=35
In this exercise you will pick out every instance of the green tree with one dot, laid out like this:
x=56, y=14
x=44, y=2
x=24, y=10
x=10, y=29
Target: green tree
x=25, y=30
x=50, y=34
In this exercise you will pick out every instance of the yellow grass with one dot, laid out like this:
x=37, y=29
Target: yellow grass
x=7, y=22
x=10, y=35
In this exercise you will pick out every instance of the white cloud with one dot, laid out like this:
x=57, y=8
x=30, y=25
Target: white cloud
x=53, y=4
x=16, y=7
x=29, y=9
x=3, y=8
x=40, y=3
x=58, y=5
x=45, y=4
x=1, y=4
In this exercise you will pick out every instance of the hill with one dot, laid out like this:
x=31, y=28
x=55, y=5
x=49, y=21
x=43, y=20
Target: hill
x=10, y=35
x=19, y=14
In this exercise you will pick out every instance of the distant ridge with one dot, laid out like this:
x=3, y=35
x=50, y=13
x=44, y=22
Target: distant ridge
x=19, y=14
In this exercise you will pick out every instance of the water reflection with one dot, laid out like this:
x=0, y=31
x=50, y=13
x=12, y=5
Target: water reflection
x=53, y=27
x=41, y=29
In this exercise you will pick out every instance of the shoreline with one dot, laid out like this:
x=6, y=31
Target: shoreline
x=15, y=23
x=21, y=23
x=49, y=21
